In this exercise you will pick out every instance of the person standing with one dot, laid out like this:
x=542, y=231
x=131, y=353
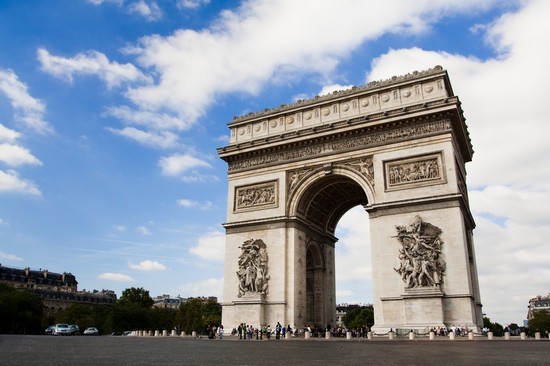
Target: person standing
x=278, y=330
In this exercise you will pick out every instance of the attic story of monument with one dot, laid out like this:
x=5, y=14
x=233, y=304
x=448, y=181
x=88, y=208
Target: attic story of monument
x=398, y=148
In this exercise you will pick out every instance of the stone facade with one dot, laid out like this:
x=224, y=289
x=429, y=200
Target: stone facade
x=396, y=147
x=57, y=290
x=538, y=304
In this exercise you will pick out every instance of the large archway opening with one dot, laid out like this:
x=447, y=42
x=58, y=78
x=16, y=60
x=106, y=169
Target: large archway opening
x=322, y=206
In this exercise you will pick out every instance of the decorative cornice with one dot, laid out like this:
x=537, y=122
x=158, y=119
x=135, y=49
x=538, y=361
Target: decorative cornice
x=341, y=93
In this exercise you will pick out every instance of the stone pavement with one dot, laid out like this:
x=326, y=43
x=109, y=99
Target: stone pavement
x=109, y=350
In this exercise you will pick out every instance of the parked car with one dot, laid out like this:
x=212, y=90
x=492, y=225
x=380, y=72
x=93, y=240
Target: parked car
x=49, y=330
x=61, y=329
x=91, y=331
x=75, y=330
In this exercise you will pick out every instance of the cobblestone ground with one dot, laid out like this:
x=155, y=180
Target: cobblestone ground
x=108, y=350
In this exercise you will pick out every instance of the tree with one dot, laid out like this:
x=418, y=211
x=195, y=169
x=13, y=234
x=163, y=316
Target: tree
x=358, y=317
x=540, y=322
x=20, y=311
x=138, y=296
x=197, y=314
x=496, y=328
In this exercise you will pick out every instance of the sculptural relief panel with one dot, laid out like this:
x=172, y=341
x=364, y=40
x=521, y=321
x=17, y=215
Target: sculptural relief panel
x=421, y=262
x=416, y=171
x=253, y=268
x=256, y=196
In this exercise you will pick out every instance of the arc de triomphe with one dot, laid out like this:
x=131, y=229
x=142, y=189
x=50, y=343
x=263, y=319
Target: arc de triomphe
x=398, y=148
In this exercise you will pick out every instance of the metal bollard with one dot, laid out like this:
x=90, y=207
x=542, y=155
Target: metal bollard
x=194, y=334
x=182, y=333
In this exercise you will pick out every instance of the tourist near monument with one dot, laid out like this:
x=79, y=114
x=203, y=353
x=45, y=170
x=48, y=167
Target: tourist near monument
x=398, y=148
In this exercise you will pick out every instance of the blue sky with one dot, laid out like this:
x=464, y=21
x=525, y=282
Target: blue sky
x=111, y=112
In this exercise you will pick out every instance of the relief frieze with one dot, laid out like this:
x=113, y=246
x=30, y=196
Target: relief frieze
x=256, y=196
x=414, y=171
x=342, y=144
x=365, y=167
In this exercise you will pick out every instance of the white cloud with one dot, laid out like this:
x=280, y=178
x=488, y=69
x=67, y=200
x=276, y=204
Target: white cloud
x=149, y=10
x=148, y=265
x=7, y=134
x=143, y=230
x=162, y=139
x=100, y=2
x=117, y=277
x=209, y=287
x=327, y=89
x=11, y=182
x=90, y=63
x=177, y=164
x=14, y=155
x=210, y=247
x=247, y=48
x=10, y=257
x=187, y=203
x=119, y=228
x=191, y=4
x=28, y=110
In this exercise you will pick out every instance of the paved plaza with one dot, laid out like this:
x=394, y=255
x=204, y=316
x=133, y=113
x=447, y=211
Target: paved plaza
x=108, y=350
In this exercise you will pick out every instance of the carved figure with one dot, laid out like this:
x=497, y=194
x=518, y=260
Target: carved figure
x=421, y=263
x=252, y=271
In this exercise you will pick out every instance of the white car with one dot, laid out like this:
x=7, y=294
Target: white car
x=91, y=331
x=61, y=329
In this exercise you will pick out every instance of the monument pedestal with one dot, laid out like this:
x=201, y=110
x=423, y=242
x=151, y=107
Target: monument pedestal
x=423, y=306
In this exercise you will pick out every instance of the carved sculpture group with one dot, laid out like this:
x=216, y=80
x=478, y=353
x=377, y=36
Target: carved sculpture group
x=252, y=271
x=421, y=262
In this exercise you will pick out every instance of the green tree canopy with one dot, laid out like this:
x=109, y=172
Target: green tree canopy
x=20, y=311
x=358, y=317
x=540, y=322
x=138, y=296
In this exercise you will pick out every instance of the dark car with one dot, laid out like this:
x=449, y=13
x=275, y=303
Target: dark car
x=75, y=330
x=49, y=330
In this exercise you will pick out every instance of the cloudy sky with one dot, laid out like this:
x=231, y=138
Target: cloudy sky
x=111, y=112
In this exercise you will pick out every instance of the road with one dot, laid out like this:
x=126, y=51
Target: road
x=110, y=350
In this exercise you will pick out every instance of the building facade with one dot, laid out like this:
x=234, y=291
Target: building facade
x=538, y=304
x=57, y=290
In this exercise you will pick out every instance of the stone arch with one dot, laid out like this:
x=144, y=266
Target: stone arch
x=324, y=198
x=293, y=171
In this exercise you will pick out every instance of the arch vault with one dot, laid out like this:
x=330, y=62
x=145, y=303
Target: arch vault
x=396, y=147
